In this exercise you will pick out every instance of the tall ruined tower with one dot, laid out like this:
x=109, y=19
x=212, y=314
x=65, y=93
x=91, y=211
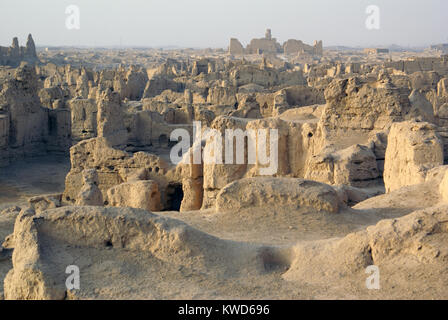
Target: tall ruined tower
x=15, y=54
x=268, y=34
x=30, y=49
x=15, y=48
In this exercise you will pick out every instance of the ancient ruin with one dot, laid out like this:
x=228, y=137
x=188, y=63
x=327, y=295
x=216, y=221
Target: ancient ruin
x=269, y=45
x=358, y=144
x=13, y=55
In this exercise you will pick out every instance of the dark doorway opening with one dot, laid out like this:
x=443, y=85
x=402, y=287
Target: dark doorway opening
x=174, y=196
x=52, y=125
x=163, y=141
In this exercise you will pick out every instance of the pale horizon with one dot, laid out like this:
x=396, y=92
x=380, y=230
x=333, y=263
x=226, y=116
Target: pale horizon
x=211, y=24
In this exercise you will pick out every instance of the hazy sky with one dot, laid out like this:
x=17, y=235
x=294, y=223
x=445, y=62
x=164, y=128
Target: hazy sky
x=210, y=23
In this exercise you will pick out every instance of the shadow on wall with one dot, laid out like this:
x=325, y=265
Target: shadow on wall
x=163, y=141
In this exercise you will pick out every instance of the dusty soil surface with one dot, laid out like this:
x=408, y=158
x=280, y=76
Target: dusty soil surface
x=31, y=177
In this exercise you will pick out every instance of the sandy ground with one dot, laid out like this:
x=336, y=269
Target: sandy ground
x=31, y=177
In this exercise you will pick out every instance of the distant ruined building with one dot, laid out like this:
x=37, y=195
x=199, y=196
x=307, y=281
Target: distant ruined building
x=442, y=48
x=271, y=46
x=14, y=55
x=372, y=51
